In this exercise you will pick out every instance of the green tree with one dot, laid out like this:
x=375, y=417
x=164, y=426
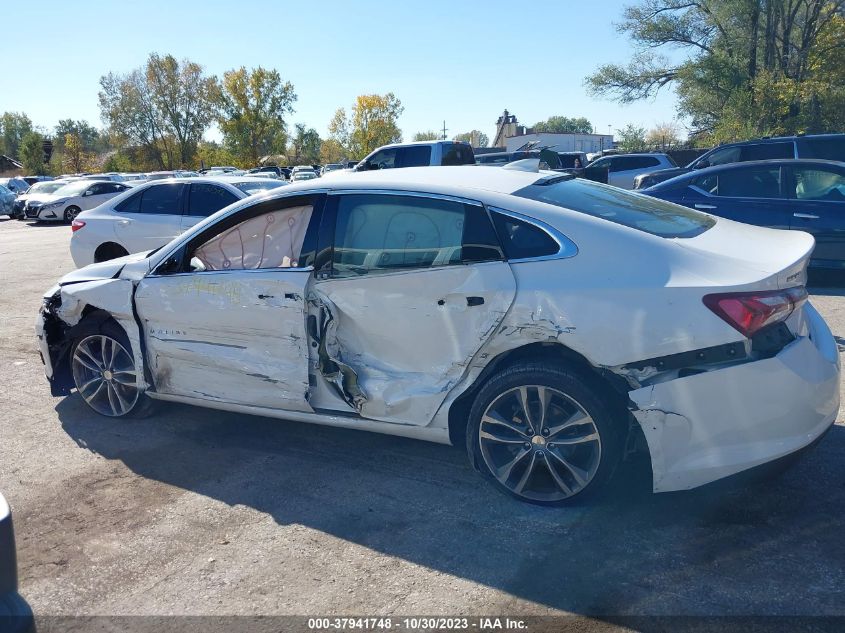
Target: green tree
x=631, y=138
x=430, y=135
x=747, y=67
x=186, y=101
x=373, y=123
x=32, y=154
x=331, y=151
x=252, y=119
x=474, y=138
x=128, y=108
x=88, y=135
x=14, y=126
x=563, y=125
x=75, y=159
x=305, y=146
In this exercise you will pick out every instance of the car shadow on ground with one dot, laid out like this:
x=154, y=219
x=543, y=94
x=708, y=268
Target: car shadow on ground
x=773, y=547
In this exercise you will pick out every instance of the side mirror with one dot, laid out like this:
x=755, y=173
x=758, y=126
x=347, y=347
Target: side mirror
x=196, y=265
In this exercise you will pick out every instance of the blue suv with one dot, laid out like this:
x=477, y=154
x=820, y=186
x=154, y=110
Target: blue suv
x=826, y=146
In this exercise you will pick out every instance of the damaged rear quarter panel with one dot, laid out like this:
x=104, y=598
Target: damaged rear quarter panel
x=710, y=425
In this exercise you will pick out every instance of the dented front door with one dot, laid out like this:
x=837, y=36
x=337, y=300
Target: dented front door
x=407, y=303
x=233, y=336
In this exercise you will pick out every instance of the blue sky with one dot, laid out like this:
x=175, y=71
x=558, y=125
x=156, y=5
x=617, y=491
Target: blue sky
x=460, y=60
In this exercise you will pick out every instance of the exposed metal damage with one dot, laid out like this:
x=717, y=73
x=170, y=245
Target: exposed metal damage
x=338, y=374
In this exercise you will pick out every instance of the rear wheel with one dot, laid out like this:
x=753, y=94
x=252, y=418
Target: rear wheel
x=108, y=251
x=544, y=435
x=105, y=374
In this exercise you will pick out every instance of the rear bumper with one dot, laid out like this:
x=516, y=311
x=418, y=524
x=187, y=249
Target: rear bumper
x=711, y=425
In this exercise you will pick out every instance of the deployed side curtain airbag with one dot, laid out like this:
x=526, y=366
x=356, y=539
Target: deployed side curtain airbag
x=272, y=240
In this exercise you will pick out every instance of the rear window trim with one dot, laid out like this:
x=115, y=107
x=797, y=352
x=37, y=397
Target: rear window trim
x=566, y=247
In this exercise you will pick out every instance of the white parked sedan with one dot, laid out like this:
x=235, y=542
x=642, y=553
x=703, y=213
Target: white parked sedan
x=549, y=325
x=66, y=202
x=152, y=214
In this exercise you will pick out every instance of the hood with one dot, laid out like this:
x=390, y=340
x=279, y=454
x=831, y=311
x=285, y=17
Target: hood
x=103, y=270
x=39, y=197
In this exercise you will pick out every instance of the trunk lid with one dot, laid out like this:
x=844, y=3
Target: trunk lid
x=743, y=256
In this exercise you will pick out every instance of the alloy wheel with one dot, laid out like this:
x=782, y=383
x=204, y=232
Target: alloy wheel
x=105, y=375
x=539, y=443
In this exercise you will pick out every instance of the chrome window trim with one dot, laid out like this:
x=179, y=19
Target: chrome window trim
x=306, y=269
x=566, y=247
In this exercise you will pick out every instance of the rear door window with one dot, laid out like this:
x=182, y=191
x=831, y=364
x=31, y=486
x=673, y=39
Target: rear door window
x=457, y=154
x=163, y=199
x=414, y=156
x=207, y=199
x=817, y=183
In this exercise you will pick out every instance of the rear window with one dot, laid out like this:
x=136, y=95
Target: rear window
x=636, y=211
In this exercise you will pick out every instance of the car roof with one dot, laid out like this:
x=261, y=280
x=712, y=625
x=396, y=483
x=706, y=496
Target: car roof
x=775, y=139
x=446, y=180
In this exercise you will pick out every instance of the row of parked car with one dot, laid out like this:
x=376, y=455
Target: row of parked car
x=790, y=183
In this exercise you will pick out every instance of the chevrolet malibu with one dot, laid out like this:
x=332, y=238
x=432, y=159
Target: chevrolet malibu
x=548, y=325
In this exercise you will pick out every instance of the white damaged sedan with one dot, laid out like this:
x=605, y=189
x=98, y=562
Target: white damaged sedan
x=549, y=325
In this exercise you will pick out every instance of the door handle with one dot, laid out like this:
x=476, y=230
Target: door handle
x=123, y=222
x=265, y=296
x=806, y=216
x=475, y=301
x=705, y=206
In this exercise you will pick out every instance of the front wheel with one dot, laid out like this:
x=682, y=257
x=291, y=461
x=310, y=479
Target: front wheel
x=544, y=435
x=105, y=374
x=71, y=213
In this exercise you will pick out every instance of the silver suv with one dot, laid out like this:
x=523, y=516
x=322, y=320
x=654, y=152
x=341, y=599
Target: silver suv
x=418, y=154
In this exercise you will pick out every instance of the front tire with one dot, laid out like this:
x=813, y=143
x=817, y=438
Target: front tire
x=105, y=375
x=544, y=434
x=71, y=213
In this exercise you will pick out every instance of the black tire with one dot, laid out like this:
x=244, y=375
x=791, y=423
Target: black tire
x=71, y=212
x=143, y=406
x=544, y=457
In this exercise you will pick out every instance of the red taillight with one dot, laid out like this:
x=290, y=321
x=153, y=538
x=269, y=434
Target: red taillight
x=76, y=225
x=749, y=312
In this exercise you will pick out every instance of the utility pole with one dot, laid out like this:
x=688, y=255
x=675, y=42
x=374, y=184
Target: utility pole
x=444, y=129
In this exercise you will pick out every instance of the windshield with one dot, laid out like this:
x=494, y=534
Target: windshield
x=250, y=187
x=73, y=188
x=45, y=187
x=636, y=211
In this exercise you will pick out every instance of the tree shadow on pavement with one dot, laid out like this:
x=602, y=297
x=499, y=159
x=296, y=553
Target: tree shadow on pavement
x=770, y=547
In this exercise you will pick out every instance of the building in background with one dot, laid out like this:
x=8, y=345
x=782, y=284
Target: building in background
x=512, y=137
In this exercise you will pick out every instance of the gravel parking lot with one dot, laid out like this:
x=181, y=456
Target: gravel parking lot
x=201, y=512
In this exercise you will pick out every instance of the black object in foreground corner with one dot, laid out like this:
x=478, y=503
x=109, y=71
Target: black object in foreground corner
x=15, y=614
